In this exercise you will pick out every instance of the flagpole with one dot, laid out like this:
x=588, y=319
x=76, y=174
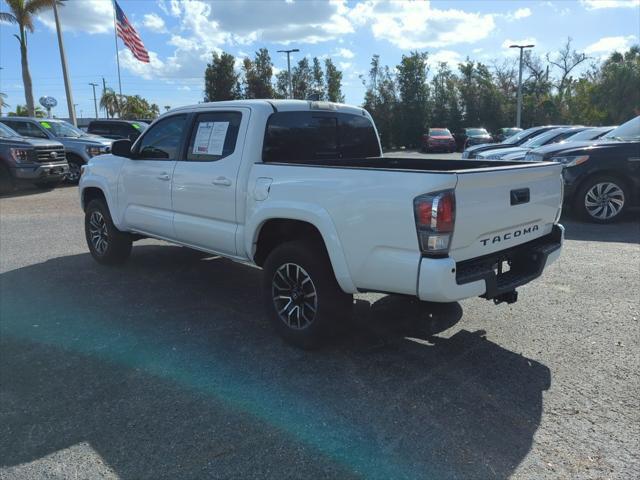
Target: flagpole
x=115, y=33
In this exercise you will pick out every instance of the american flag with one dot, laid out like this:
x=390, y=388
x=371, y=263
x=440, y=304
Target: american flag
x=129, y=35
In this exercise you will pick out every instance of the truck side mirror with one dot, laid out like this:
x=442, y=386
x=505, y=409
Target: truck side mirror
x=121, y=148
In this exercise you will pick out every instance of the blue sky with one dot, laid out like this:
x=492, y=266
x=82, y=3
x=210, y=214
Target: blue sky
x=181, y=34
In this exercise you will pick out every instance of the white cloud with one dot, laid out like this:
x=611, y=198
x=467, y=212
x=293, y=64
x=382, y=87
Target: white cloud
x=154, y=22
x=344, y=53
x=410, y=25
x=522, y=13
x=447, y=56
x=344, y=65
x=607, y=45
x=599, y=4
x=90, y=16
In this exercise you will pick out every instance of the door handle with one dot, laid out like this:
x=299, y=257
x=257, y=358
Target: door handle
x=164, y=176
x=222, y=181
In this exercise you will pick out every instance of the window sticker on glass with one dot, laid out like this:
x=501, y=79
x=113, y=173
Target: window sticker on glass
x=210, y=138
x=45, y=124
x=136, y=126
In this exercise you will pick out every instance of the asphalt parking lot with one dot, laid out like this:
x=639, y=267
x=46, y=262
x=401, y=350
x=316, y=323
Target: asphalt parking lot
x=167, y=368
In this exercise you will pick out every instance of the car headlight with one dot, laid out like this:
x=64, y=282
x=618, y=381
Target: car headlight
x=533, y=157
x=571, y=161
x=93, y=150
x=19, y=155
x=465, y=154
x=495, y=156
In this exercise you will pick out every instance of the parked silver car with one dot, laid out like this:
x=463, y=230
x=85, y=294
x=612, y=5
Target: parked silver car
x=79, y=146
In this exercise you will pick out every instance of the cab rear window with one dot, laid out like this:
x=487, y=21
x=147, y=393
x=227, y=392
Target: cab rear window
x=304, y=137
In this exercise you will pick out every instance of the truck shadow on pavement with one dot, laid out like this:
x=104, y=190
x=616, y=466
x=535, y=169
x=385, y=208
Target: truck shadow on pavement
x=167, y=368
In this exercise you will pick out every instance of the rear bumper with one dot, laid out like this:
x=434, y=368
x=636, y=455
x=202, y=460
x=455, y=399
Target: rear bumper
x=41, y=172
x=444, y=280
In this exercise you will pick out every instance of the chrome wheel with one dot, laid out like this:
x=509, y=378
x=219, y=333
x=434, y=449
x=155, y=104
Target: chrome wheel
x=604, y=200
x=98, y=233
x=74, y=172
x=294, y=296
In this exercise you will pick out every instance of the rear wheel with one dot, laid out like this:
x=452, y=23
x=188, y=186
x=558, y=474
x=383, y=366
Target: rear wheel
x=602, y=199
x=302, y=297
x=107, y=244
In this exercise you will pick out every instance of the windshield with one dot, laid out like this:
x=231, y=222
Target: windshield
x=7, y=132
x=62, y=129
x=514, y=139
x=476, y=132
x=510, y=131
x=542, y=139
x=439, y=132
x=589, y=134
x=626, y=132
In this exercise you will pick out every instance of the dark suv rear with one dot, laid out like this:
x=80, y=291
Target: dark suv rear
x=117, y=129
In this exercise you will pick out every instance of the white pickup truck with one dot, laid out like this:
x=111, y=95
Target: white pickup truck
x=302, y=190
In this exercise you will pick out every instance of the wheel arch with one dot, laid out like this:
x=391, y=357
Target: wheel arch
x=273, y=230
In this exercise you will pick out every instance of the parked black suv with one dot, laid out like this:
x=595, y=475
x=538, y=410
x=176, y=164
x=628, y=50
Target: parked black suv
x=30, y=160
x=472, y=136
x=601, y=177
x=117, y=129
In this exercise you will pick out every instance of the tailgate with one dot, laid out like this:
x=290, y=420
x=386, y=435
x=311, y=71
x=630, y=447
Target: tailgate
x=501, y=208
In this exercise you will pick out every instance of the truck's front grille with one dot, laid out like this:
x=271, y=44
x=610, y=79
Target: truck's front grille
x=50, y=154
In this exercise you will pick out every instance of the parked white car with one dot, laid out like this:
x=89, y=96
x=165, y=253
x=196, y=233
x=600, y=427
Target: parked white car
x=302, y=190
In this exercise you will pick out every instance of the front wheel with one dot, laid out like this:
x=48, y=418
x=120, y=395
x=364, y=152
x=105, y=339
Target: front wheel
x=602, y=199
x=302, y=297
x=107, y=244
x=75, y=167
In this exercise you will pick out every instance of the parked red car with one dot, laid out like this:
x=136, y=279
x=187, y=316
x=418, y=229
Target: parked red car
x=438, y=139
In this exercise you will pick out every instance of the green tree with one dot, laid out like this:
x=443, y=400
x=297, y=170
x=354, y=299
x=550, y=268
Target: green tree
x=302, y=79
x=257, y=75
x=22, y=13
x=333, y=81
x=220, y=79
x=136, y=107
x=3, y=104
x=318, y=80
x=23, y=111
x=381, y=101
x=414, y=96
x=282, y=84
x=109, y=101
x=617, y=89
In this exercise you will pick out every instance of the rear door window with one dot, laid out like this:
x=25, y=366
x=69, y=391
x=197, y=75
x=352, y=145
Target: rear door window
x=305, y=137
x=213, y=136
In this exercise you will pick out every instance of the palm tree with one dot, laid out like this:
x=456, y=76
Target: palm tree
x=110, y=102
x=22, y=13
x=2, y=102
x=23, y=111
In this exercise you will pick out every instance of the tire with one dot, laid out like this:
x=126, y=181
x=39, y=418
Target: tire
x=107, y=244
x=7, y=184
x=601, y=199
x=301, y=272
x=75, y=164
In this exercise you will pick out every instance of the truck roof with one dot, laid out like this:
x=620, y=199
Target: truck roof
x=276, y=105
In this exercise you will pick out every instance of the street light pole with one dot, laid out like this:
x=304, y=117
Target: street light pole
x=289, y=52
x=519, y=108
x=65, y=73
x=95, y=101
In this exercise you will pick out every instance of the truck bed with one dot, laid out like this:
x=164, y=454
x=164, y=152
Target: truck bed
x=432, y=165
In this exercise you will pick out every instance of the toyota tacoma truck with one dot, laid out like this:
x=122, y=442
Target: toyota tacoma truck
x=301, y=189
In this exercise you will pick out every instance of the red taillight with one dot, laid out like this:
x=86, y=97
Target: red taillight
x=445, y=212
x=424, y=209
x=435, y=218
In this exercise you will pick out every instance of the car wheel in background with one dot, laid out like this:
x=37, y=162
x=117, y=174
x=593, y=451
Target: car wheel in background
x=75, y=165
x=7, y=184
x=601, y=199
x=107, y=244
x=302, y=297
